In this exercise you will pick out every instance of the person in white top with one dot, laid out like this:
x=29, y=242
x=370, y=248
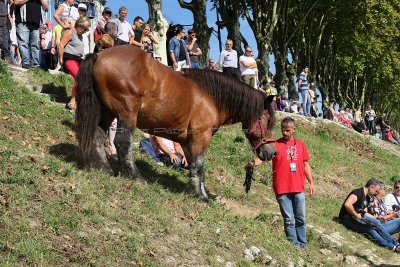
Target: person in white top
x=228, y=60
x=248, y=68
x=82, y=8
x=370, y=115
x=125, y=32
x=64, y=11
x=393, y=198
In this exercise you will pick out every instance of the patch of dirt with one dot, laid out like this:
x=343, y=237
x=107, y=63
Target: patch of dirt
x=241, y=210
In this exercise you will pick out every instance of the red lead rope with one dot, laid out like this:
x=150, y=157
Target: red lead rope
x=263, y=140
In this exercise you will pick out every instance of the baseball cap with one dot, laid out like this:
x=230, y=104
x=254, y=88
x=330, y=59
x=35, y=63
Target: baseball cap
x=107, y=10
x=82, y=6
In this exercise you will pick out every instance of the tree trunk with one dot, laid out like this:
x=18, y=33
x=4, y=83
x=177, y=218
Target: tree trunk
x=160, y=27
x=203, y=32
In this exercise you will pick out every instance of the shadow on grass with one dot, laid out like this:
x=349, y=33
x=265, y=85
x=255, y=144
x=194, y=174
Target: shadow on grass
x=58, y=92
x=67, y=152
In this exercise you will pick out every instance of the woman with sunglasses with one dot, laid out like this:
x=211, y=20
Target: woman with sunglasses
x=71, y=50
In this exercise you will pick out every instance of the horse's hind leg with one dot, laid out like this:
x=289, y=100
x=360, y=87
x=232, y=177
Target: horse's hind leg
x=98, y=158
x=123, y=143
x=196, y=182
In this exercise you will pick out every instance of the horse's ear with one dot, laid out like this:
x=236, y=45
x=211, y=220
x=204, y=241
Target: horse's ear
x=268, y=101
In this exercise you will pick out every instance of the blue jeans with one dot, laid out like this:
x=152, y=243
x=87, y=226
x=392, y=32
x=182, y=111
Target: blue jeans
x=294, y=204
x=28, y=36
x=392, y=226
x=306, y=102
x=167, y=160
x=385, y=239
x=194, y=65
x=371, y=127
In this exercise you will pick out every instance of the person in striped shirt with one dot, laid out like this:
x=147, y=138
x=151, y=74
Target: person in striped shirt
x=303, y=90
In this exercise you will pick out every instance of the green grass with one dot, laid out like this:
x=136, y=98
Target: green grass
x=58, y=214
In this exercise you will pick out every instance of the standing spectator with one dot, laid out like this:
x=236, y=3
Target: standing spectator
x=99, y=31
x=4, y=33
x=358, y=118
x=13, y=36
x=148, y=39
x=395, y=135
x=66, y=11
x=210, y=65
x=82, y=8
x=248, y=68
x=303, y=89
x=383, y=124
x=354, y=208
x=228, y=60
x=330, y=112
x=370, y=116
x=178, y=50
x=137, y=24
x=271, y=90
x=56, y=38
x=194, y=49
x=289, y=167
x=70, y=52
x=48, y=59
x=125, y=32
x=27, y=18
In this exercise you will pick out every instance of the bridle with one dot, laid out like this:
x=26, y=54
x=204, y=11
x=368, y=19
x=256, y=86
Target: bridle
x=263, y=140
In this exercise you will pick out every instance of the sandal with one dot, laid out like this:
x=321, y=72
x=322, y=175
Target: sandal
x=71, y=105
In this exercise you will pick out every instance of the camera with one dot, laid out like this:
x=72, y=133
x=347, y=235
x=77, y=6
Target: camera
x=396, y=208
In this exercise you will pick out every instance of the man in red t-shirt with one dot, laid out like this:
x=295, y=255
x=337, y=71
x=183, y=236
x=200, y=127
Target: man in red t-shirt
x=289, y=167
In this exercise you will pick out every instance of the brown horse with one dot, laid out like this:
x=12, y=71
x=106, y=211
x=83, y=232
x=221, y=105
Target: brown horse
x=187, y=107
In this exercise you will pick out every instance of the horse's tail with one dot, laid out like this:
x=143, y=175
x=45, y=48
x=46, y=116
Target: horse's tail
x=87, y=108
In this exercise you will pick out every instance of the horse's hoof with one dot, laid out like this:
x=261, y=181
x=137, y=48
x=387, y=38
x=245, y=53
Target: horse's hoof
x=204, y=198
x=140, y=180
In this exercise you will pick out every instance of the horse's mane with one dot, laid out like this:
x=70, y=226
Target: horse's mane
x=242, y=101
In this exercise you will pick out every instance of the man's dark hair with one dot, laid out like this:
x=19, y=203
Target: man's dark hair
x=305, y=66
x=191, y=31
x=372, y=183
x=288, y=120
x=138, y=18
x=178, y=29
x=397, y=182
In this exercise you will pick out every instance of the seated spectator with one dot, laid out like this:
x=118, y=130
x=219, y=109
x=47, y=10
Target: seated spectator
x=336, y=116
x=164, y=150
x=395, y=135
x=378, y=132
x=104, y=41
x=293, y=107
x=377, y=209
x=344, y=120
x=394, y=198
x=353, y=216
x=217, y=67
x=389, y=137
x=314, y=109
x=283, y=104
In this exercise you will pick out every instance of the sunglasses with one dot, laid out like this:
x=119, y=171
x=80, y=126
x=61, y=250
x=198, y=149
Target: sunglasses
x=248, y=50
x=397, y=187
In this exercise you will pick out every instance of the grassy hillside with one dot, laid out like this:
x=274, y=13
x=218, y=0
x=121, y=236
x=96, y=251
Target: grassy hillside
x=52, y=213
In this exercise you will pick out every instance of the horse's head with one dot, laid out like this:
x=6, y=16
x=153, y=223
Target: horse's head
x=260, y=133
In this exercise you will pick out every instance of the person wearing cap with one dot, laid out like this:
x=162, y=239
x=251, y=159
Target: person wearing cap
x=82, y=8
x=102, y=23
x=271, y=90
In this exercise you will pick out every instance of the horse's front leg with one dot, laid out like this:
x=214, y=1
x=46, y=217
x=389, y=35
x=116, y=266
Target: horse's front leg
x=123, y=143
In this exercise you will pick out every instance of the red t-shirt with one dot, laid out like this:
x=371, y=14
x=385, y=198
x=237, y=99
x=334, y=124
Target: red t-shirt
x=284, y=180
x=389, y=136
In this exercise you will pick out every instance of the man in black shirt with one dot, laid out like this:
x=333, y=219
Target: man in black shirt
x=4, y=32
x=354, y=207
x=137, y=24
x=28, y=15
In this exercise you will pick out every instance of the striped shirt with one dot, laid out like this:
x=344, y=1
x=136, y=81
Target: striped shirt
x=304, y=83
